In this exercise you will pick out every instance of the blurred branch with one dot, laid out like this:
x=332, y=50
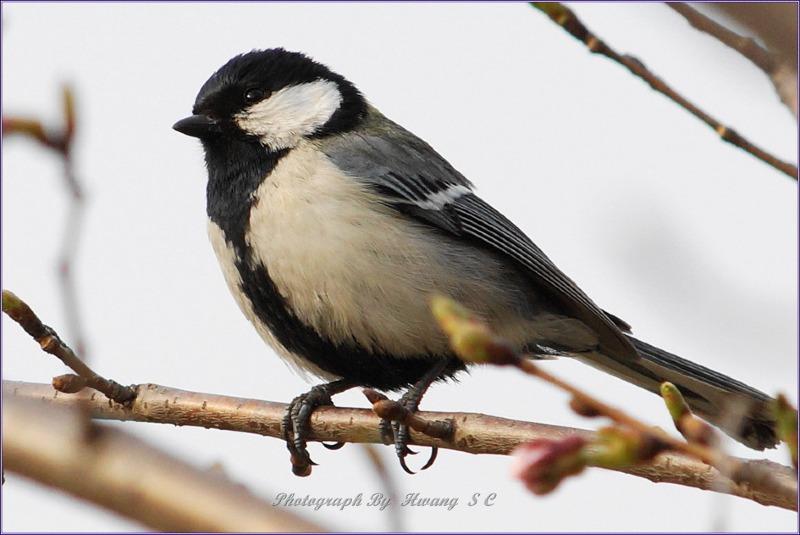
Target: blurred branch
x=565, y=18
x=773, y=22
x=61, y=142
x=472, y=433
x=395, y=519
x=786, y=416
x=55, y=446
x=746, y=46
x=782, y=74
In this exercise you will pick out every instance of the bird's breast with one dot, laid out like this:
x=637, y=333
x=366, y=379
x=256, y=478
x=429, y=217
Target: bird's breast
x=324, y=265
x=342, y=261
x=262, y=312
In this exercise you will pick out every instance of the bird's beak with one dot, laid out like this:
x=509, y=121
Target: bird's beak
x=197, y=126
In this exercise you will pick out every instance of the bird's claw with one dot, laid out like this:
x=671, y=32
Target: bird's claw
x=296, y=426
x=397, y=433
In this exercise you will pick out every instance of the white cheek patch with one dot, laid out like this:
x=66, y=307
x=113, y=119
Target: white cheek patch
x=288, y=115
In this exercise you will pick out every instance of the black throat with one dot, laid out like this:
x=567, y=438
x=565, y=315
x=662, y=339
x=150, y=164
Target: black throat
x=236, y=168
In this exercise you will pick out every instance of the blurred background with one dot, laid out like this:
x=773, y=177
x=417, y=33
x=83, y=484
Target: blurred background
x=689, y=239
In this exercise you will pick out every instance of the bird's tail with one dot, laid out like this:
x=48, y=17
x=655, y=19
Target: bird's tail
x=742, y=412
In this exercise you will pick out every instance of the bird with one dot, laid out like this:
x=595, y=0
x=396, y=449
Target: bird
x=334, y=226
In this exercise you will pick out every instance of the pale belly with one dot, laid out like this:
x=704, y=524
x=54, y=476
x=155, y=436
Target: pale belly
x=347, y=269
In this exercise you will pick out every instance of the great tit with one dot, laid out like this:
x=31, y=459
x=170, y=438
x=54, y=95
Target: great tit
x=334, y=225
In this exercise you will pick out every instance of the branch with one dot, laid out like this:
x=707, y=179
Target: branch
x=472, y=433
x=780, y=73
x=543, y=464
x=395, y=519
x=565, y=18
x=746, y=46
x=113, y=469
x=50, y=342
x=60, y=141
x=774, y=22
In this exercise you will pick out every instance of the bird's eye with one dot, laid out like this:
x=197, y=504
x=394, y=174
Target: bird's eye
x=253, y=95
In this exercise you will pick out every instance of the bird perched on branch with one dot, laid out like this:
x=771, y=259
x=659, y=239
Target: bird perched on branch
x=334, y=226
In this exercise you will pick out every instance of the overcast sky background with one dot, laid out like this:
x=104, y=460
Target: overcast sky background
x=690, y=240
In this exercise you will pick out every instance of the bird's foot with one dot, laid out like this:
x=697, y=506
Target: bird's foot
x=394, y=426
x=399, y=434
x=296, y=423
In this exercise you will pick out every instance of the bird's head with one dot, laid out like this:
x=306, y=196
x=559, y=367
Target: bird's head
x=274, y=98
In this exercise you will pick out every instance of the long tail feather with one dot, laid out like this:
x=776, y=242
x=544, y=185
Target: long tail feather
x=739, y=410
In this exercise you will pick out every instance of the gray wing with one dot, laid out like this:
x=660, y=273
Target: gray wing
x=417, y=181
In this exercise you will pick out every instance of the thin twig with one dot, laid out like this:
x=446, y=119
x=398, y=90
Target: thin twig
x=113, y=469
x=731, y=467
x=472, y=433
x=61, y=141
x=746, y=46
x=67, y=254
x=50, y=342
x=635, y=441
x=388, y=409
x=773, y=67
x=565, y=18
